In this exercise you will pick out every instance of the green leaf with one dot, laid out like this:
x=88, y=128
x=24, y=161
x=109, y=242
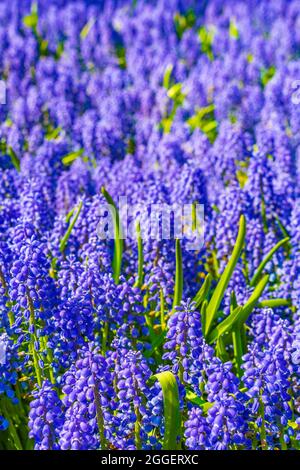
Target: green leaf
x=193, y=398
x=53, y=134
x=178, y=276
x=267, y=74
x=253, y=299
x=203, y=315
x=167, y=76
x=219, y=291
x=184, y=22
x=175, y=92
x=225, y=326
x=171, y=409
x=140, y=277
x=156, y=343
x=203, y=291
x=239, y=315
x=118, y=241
x=31, y=20
x=14, y=158
x=204, y=119
x=233, y=31
x=273, y=303
x=268, y=257
x=233, y=302
x=70, y=157
x=206, y=37
x=64, y=240
x=87, y=28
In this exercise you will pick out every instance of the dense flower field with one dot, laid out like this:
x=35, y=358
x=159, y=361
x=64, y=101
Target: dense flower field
x=142, y=343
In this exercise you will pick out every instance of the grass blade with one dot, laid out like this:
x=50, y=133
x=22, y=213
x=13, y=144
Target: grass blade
x=218, y=294
x=14, y=158
x=178, y=276
x=169, y=387
x=140, y=277
x=87, y=28
x=203, y=291
x=64, y=240
x=253, y=299
x=203, y=315
x=118, y=241
x=262, y=265
x=272, y=303
x=155, y=344
x=225, y=326
x=72, y=156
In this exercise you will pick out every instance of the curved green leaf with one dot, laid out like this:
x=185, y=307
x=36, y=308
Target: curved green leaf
x=64, y=240
x=14, y=158
x=118, y=240
x=253, y=299
x=203, y=291
x=225, y=326
x=203, y=315
x=272, y=303
x=178, y=276
x=140, y=276
x=262, y=265
x=72, y=156
x=169, y=387
x=218, y=294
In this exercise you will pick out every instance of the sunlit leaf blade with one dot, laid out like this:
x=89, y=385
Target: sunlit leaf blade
x=225, y=326
x=156, y=343
x=31, y=20
x=233, y=302
x=193, y=398
x=167, y=76
x=118, y=241
x=87, y=28
x=178, y=276
x=72, y=156
x=203, y=315
x=218, y=294
x=203, y=291
x=171, y=409
x=240, y=314
x=233, y=30
x=140, y=277
x=14, y=158
x=64, y=240
x=273, y=303
x=253, y=299
x=269, y=256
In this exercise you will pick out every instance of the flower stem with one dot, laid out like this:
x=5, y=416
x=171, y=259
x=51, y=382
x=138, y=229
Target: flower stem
x=137, y=429
x=99, y=414
x=33, y=339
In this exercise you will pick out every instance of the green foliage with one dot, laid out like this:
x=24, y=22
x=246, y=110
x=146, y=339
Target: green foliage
x=204, y=119
x=265, y=261
x=233, y=31
x=140, y=276
x=64, y=240
x=203, y=291
x=178, y=276
x=219, y=291
x=206, y=37
x=72, y=156
x=118, y=240
x=87, y=28
x=171, y=409
x=184, y=22
x=266, y=75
